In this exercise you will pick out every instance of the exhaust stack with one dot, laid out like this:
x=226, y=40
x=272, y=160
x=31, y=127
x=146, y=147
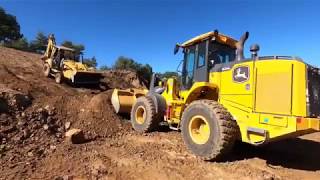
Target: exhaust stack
x=240, y=46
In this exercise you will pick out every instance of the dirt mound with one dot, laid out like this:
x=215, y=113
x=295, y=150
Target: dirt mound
x=98, y=117
x=26, y=133
x=26, y=138
x=35, y=112
x=22, y=71
x=123, y=79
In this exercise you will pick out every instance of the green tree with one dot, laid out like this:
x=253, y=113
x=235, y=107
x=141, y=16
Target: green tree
x=91, y=62
x=104, y=68
x=125, y=63
x=9, y=27
x=79, y=48
x=144, y=71
x=169, y=74
x=39, y=44
x=20, y=44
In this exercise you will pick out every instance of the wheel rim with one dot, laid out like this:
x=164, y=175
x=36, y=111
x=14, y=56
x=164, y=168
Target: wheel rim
x=199, y=129
x=140, y=115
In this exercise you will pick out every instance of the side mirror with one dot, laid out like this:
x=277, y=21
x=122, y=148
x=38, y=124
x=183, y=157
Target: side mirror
x=176, y=49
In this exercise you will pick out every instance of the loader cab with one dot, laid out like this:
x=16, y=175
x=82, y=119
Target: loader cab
x=69, y=55
x=78, y=58
x=66, y=53
x=201, y=58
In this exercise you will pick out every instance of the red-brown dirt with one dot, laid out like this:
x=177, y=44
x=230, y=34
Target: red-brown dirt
x=35, y=112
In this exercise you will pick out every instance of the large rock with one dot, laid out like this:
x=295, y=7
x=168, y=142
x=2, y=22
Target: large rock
x=75, y=136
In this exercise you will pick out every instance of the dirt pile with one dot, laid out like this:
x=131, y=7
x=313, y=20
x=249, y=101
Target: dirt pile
x=26, y=134
x=35, y=112
x=123, y=79
x=98, y=118
x=28, y=137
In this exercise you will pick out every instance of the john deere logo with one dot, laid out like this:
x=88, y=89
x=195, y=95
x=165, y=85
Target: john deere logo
x=241, y=74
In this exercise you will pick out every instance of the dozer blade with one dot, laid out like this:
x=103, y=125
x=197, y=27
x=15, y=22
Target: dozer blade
x=87, y=78
x=123, y=100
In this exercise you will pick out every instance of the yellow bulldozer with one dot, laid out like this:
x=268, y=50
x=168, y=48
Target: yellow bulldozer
x=223, y=97
x=63, y=63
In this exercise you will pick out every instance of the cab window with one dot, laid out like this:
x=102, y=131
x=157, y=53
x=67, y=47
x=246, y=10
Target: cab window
x=189, y=64
x=219, y=54
x=201, y=54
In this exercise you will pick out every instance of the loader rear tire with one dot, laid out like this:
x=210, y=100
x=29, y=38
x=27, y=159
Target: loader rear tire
x=208, y=130
x=46, y=70
x=143, y=115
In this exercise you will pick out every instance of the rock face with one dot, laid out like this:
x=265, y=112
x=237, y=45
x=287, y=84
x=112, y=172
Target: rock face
x=75, y=136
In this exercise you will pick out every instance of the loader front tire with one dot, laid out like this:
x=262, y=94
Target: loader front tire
x=143, y=115
x=208, y=130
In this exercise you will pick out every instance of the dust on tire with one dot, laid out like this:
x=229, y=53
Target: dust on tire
x=151, y=119
x=223, y=130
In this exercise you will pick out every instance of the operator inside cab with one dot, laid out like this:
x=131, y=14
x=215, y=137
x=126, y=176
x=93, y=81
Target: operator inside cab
x=205, y=53
x=60, y=58
x=220, y=54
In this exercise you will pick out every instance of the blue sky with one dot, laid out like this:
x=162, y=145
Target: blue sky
x=147, y=30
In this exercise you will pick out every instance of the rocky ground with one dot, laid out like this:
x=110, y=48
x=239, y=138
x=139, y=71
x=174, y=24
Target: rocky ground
x=36, y=113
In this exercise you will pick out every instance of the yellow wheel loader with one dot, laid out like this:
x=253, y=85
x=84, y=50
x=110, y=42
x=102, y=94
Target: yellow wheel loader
x=223, y=97
x=63, y=64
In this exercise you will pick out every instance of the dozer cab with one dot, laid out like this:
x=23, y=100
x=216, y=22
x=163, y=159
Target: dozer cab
x=223, y=97
x=64, y=64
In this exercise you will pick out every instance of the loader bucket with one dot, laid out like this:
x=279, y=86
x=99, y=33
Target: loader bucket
x=87, y=78
x=123, y=100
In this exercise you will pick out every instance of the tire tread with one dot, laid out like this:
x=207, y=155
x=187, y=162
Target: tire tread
x=227, y=125
x=152, y=119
